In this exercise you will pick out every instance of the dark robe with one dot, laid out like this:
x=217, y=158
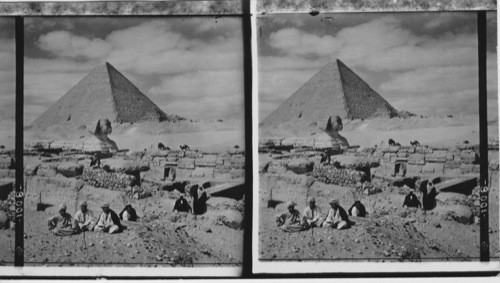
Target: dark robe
x=360, y=207
x=114, y=217
x=182, y=205
x=200, y=203
x=429, y=199
x=411, y=200
x=131, y=211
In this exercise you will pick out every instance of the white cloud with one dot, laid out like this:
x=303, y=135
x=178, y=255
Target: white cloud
x=169, y=66
x=63, y=43
x=400, y=62
x=294, y=41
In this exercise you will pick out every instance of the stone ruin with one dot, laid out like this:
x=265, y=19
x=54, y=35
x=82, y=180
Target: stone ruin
x=140, y=173
x=7, y=193
x=451, y=168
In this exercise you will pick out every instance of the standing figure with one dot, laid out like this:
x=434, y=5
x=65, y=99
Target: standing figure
x=95, y=161
x=429, y=197
x=200, y=203
x=337, y=217
x=62, y=224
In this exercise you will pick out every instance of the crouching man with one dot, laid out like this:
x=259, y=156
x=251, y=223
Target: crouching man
x=108, y=221
x=62, y=224
x=312, y=215
x=290, y=221
x=337, y=217
x=182, y=205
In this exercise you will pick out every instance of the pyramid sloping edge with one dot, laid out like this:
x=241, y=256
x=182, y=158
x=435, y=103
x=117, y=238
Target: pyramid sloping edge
x=317, y=99
x=131, y=104
x=93, y=92
x=362, y=102
x=103, y=93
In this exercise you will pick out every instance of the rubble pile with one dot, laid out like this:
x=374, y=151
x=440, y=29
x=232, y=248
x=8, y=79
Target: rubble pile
x=329, y=174
x=185, y=165
x=8, y=209
x=102, y=179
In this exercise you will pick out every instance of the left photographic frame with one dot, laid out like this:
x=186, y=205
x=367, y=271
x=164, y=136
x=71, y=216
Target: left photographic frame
x=129, y=121
x=7, y=140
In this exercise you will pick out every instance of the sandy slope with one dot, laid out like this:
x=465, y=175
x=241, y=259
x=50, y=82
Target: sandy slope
x=204, y=135
x=368, y=133
x=383, y=235
x=160, y=237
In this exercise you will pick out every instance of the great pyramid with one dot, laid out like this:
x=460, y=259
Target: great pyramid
x=334, y=90
x=104, y=93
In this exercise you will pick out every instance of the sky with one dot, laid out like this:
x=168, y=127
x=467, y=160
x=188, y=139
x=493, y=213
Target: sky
x=7, y=71
x=191, y=67
x=425, y=63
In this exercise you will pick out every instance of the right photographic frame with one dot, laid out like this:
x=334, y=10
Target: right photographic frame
x=369, y=141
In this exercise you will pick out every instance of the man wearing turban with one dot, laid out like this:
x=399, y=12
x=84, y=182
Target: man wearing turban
x=84, y=218
x=290, y=221
x=62, y=224
x=312, y=215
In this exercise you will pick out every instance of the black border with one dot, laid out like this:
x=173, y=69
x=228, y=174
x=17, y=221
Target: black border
x=484, y=244
x=247, y=243
x=19, y=235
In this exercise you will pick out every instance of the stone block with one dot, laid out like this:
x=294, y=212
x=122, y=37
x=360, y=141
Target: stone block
x=186, y=163
x=402, y=154
x=6, y=162
x=237, y=174
x=435, y=168
x=416, y=159
x=203, y=172
x=467, y=168
x=413, y=170
x=238, y=161
x=453, y=172
x=208, y=160
x=469, y=157
x=183, y=174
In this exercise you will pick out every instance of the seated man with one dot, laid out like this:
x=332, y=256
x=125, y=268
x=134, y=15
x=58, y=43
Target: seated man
x=337, y=217
x=108, y=221
x=290, y=221
x=84, y=218
x=412, y=202
x=357, y=209
x=312, y=215
x=62, y=224
x=182, y=205
x=128, y=213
